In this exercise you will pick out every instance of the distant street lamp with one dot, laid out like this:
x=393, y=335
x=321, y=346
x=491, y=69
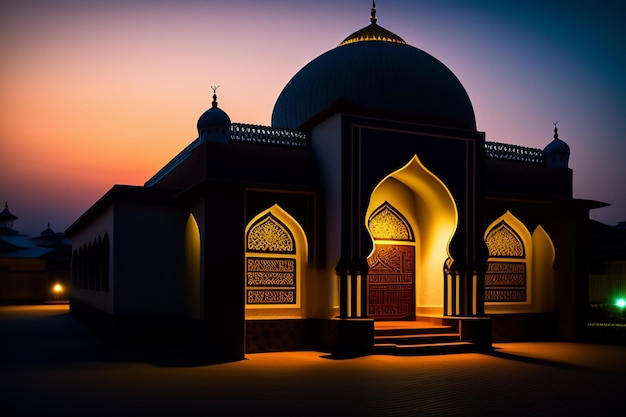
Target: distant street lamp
x=58, y=291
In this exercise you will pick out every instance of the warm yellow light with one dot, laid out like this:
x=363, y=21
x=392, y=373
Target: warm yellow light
x=58, y=288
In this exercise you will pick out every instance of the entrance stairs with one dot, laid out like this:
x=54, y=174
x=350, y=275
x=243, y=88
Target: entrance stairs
x=425, y=336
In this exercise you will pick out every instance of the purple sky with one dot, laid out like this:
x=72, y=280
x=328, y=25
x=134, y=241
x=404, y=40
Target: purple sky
x=96, y=93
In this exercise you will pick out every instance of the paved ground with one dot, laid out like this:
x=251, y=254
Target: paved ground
x=51, y=365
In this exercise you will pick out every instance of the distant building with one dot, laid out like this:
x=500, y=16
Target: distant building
x=372, y=199
x=32, y=269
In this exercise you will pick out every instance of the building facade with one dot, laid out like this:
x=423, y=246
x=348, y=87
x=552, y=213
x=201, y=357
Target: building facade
x=32, y=269
x=371, y=199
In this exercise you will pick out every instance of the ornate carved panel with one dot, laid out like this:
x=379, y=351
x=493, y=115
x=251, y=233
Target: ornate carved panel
x=505, y=282
x=270, y=235
x=270, y=272
x=503, y=242
x=271, y=296
x=391, y=283
x=270, y=280
x=388, y=224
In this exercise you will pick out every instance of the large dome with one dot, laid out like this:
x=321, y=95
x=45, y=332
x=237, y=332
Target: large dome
x=374, y=72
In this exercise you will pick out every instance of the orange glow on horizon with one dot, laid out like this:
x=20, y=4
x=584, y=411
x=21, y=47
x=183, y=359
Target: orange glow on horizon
x=109, y=92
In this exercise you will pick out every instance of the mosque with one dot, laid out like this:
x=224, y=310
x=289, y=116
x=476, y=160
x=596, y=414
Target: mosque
x=370, y=209
x=32, y=269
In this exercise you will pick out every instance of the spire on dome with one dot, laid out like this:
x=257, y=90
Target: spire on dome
x=373, y=12
x=373, y=32
x=556, y=154
x=214, y=124
x=556, y=131
x=214, y=88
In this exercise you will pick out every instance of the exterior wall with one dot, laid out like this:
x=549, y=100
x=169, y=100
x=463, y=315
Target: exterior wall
x=373, y=149
x=223, y=326
x=99, y=226
x=539, y=270
x=147, y=260
x=565, y=222
x=511, y=177
x=184, y=173
x=326, y=145
x=30, y=280
x=606, y=288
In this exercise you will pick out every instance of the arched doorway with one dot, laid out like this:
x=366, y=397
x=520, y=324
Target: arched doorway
x=411, y=219
x=391, y=275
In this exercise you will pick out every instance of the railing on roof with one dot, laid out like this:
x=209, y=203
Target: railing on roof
x=517, y=153
x=241, y=132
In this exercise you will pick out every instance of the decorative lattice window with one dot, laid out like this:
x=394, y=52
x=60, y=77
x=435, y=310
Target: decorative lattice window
x=270, y=279
x=270, y=235
x=504, y=242
x=505, y=279
x=386, y=223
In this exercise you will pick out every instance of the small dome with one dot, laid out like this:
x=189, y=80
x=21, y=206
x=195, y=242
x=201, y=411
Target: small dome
x=214, y=124
x=374, y=71
x=556, y=154
x=214, y=117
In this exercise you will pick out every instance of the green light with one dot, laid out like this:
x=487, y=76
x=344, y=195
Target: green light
x=620, y=302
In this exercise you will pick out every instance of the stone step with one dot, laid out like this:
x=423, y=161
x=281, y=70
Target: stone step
x=416, y=338
x=400, y=331
x=424, y=349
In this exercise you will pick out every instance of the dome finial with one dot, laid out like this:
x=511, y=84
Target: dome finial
x=214, y=88
x=556, y=131
x=373, y=12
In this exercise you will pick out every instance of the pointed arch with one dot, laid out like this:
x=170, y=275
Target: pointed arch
x=508, y=278
x=192, y=251
x=543, y=270
x=416, y=198
x=268, y=234
x=504, y=242
x=106, y=259
x=275, y=264
x=98, y=263
x=389, y=224
x=74, y=268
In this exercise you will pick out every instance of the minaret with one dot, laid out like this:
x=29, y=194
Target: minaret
x=556, y=154
x=214, y=124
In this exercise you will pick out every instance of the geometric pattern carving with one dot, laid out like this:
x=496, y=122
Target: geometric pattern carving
x=270, y=280
x=391, y=283
x=270, y=235
x=271, y=296
x=270, y=272
x=388, y=224
x=503, y=242
x=505, y=282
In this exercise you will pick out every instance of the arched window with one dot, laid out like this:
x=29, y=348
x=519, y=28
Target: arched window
x=104, y=265
x=270, y=263
x=506, y=277
x=275, y=266
x=75, y=269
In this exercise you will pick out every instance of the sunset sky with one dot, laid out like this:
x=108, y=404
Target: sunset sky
x=95, y=93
